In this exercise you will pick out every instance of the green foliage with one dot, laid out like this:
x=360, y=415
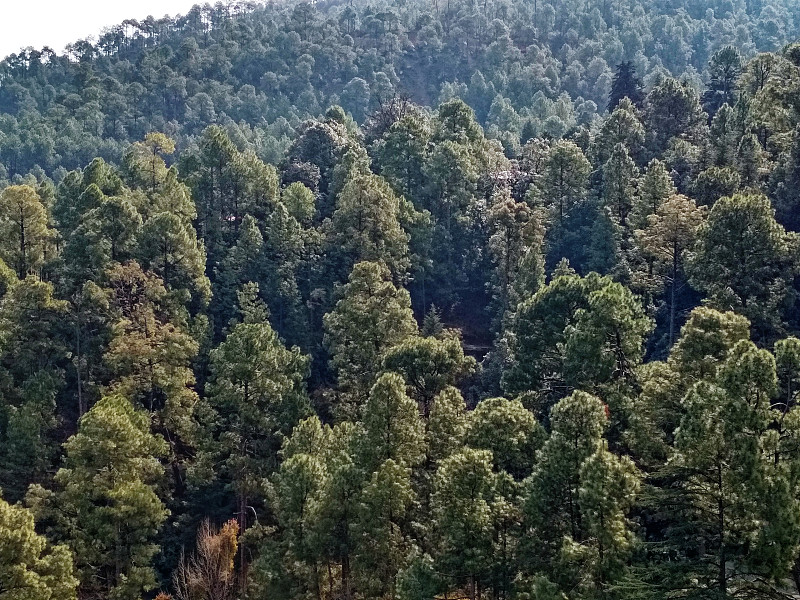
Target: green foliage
x=429, y=365
x=575, y=333
x=746, y=260
x=30, y=568
x=371, y=317
x=509, y=431
x=23, y=227
x=255, y=396
x=105, y=504
x=210, y=285
x=365, y=226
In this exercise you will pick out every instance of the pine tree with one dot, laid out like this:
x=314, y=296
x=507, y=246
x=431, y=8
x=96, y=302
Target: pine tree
x=365, y=227
x=623, y=126
x=715, y=183
x=552, y=507
x=619, y=184
x=574, y=332
x=299, y=201
x=732, y=273
x=371, y=316
x=402, y=154
x=671, y=231
x=564, y=180
x=336, y=511
x=150, y=352
x=509, y=431
x=656, y=186
x=105, y=504
x=33, y=354
x=464, y=491
x=724, y=136
x=750, y=160
x=392, y=425
x=723, y=472
x=383, y=548
x=26, y=237
x=429, y=365
x=30, y=568
x=513, y=232
x=170, y=248
x=673, y=109
x=255, y=396
x=625, y=84
x=143, y=163
x=724, y=69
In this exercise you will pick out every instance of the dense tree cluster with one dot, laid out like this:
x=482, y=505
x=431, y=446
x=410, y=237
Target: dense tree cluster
x=527, y=68
x=480, y=341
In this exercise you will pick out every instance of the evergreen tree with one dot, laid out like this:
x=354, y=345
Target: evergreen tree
x=255, y=396
x=429, y=365
x=105, y=505
x=724, y=69
x=576, y=332
x=513, y=233
x=724, y=136
x=623, y=126
x=656, y=186
x=673, y=109
x=671, y=231
x=392, y=427
x=371, y=317
x=26, y=238
x=365, y=227
x=509, y=431
x=715, y=183
x=402, y=154
x=30, y=568
x=564, y=179
x=722, y=472
x=464, y=491
x=33, y=355
x=552, y=507
x=744, y=260
x=625, y=84
x=150, y=352
x=619, y=184
x=749, y=160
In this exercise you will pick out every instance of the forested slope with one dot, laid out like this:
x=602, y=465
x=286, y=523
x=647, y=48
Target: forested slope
x=530, y=67
x=411, y=301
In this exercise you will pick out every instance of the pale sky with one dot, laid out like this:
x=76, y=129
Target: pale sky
x=56, y=23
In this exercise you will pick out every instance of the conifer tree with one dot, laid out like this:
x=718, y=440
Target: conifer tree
x=105, y=504
x=509, y=431
x=671, y=231
x=745, y=260
x=623, y=126
x=255, y=396
x=625, y=84
x=464, y=491
x=564, y=179
x=365, y=227
x=656, y=186
x=371, y=316
x=31, y=568
x=724, y=69
x=429, y=365
x=619, y=184
x=26, y=237
x=150, y=352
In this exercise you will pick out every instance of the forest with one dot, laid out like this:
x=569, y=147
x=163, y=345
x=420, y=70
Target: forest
x=410, y=300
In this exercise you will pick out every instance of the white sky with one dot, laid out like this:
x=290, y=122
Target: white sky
x=56, y=23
